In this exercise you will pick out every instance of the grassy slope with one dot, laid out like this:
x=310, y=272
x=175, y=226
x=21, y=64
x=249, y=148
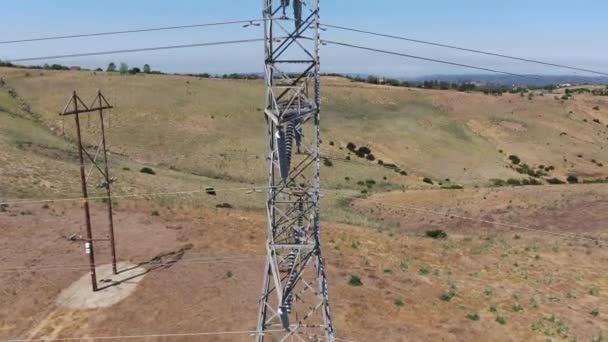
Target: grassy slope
x=205, y=131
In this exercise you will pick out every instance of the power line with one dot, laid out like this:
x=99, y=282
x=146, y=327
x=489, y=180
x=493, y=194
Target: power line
x=191, y=192
x=251, y=21
x=13, y=202
x=82, y=338
x=109, y=33
x=140, y=263
x=497, y=223
x=488, y=53
x=170, y=47
x=157, y=48
x=208, y=190
x=193, y=261
x=427, y=59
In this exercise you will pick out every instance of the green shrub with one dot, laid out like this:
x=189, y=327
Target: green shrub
x=525, y=169
x=572, y=179
x=428, y=180
x=147, y=170
x=501, y=320
x=447, y=296
x=532, y=181
x=514, y=159
x=437, y=234
x=405, y=264
x=513, y=182
x=497, y=182
x=555, y=181
x=473, y=316
x=363, y=151
x=517, y=308
x=595, y=181
x=355, y=280
x=399, y=302
x=453, y=187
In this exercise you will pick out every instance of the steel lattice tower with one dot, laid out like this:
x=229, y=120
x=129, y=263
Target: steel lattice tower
x=294, y=303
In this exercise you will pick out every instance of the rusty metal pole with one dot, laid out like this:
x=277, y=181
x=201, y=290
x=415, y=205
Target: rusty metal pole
x=89, y=241
x=108, y=185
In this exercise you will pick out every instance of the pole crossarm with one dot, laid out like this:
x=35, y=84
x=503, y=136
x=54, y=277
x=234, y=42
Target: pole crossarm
x=88, y=110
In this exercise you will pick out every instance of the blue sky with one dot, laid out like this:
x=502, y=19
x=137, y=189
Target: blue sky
x=572, y=32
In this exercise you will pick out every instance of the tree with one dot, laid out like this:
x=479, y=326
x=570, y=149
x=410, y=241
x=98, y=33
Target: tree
x=134, y=71
x=111, y=67
x=373, y=79
x=393, y=82
x=59, y=67
x=147, y=68
x=124, y=68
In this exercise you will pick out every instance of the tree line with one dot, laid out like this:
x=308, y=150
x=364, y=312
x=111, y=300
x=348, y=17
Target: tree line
x=124, y=69
x=489, y=89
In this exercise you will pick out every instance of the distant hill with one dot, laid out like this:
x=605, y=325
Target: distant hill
x=506, y=80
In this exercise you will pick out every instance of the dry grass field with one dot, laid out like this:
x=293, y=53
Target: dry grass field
x=540, y=274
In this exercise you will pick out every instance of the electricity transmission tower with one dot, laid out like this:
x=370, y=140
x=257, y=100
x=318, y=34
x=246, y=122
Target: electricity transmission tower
x=294, y=303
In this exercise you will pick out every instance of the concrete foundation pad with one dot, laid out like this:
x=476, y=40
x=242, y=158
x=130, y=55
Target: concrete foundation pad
x=111, y=288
